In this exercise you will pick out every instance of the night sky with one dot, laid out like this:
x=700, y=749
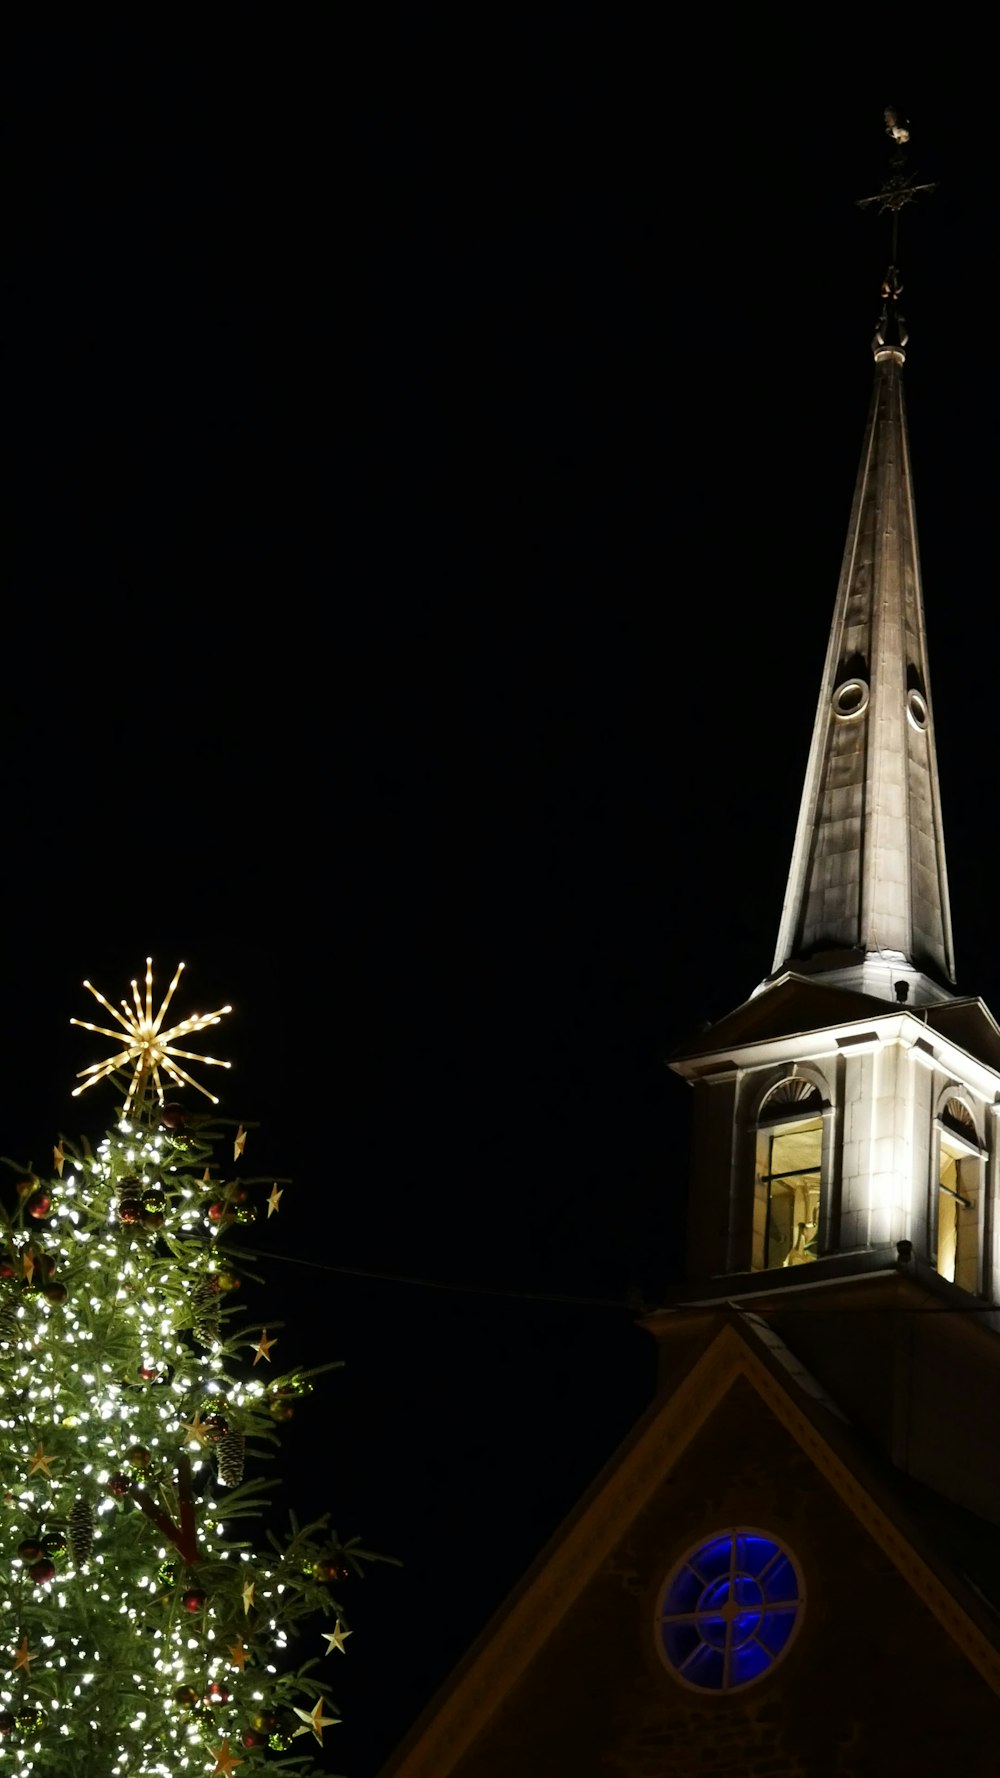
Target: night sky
x=429, y=449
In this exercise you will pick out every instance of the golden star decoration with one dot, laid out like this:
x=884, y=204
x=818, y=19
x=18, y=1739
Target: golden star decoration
x=40, y=1462
x=238, y=1653
x=24, y=1657
x=315, y=1720
x=239, y=1143
x=274, y=1200
x=147, y=1046
x=224, y=1760
x=248, y=1587
x=28, y=1264
x=58, y=1158
x=194, y=1430
x=263, y=1347
x=336, y=1638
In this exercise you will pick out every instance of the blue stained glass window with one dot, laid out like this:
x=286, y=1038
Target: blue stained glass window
x=728, y=1610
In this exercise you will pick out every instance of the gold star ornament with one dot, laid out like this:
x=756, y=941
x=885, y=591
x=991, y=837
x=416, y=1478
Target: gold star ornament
x=315, y=1720
x=273, y=1201
x=238, y=1653
x=248, y=1587
x=224, y=1760
x=239, y=1143
x=40, y=1462
x=336, y=1638
x=263, y=1347
x=148, y=1048
x=24, y=1657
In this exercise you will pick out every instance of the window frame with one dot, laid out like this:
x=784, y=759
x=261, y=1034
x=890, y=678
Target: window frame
x=764, y=1125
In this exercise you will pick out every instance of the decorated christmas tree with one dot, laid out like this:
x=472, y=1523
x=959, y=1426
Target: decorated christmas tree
x=141, y=1630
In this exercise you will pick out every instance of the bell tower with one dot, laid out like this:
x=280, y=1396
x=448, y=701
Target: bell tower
x=847, y=1115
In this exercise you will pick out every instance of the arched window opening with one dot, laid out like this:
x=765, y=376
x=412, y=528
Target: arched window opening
x=959, y=1197
x=789, y=1176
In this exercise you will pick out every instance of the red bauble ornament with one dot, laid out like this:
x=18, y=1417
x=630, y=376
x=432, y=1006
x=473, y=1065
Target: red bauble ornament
x=8, y=1723
x=216, y=1692
x=138, y=1456
x=149, y=1373
x=193, y=1599
x=56, y=1293
x=172, y=1117
x=30, y=1550
x=331, y=1568
x=217, y=1212
x=118, y=1485
x=153, y=1219
x=130, y=1211
x=42, y=1572
x=281, y=1408
x=39, y=1204
x=185, y=1695
x=253, y=1738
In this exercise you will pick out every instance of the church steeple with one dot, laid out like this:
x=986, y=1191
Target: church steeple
x=867, y=899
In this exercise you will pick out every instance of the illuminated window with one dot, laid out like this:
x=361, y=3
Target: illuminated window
x=959, y=1193
x=789, y=1168
x=728, y=1610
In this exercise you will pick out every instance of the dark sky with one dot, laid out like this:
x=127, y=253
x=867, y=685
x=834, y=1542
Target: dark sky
x=429, y=447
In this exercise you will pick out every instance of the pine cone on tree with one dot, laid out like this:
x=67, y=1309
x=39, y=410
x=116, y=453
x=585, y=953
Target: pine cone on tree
x=230, y=1453
x=81, y=1531
x=206, y=1312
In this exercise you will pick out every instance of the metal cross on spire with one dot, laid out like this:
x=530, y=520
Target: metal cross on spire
x=900, y=188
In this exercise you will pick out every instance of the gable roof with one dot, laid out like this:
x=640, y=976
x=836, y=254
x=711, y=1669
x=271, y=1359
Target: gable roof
x=784, y=1008
x=798, y=1007
x=737, y=1346
x=970, y=1025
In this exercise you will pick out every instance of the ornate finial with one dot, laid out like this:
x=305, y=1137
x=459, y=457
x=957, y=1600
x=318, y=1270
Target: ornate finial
x=900, y=189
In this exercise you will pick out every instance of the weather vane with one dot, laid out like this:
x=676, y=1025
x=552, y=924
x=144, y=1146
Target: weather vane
x=900, y=188
x=147, y=1046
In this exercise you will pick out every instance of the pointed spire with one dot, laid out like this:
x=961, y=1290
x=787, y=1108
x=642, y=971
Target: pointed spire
x=867, y=897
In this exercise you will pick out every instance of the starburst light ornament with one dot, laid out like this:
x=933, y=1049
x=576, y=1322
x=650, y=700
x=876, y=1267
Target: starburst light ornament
x=147, y=1047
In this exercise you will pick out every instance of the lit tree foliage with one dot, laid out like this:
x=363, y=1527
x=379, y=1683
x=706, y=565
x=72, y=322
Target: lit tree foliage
x=140, y=1631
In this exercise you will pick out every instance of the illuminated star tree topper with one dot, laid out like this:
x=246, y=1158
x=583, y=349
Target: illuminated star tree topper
x=147, y=1046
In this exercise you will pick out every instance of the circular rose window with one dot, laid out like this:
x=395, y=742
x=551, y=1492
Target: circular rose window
x=728, y=1610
